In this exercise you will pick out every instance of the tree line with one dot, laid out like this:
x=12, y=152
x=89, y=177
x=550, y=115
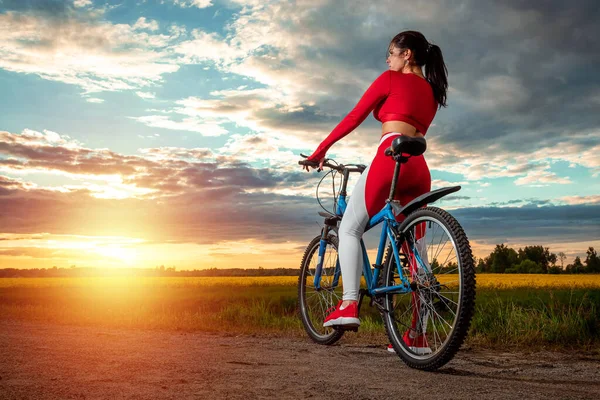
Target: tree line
x=536, y=260
x=160, y=271
x=527, y=260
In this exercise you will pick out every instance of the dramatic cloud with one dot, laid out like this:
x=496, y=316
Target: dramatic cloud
x=532, y=224
x=174, y=185
x=194, y=195
x=93, y=54
x=502, y=118
x=164, y=171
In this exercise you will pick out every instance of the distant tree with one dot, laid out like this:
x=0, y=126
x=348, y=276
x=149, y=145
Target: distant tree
x=552, y=259
x=575, y=268
x=562, y=257
x=435, y=265
x=592, y=262
x=526, y=267
x=555, y=269
x=501, y=258
x=538, y=254
x=480, y=265
x=451, y=268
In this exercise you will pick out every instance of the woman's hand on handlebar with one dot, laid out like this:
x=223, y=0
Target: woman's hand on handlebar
x=320, y=167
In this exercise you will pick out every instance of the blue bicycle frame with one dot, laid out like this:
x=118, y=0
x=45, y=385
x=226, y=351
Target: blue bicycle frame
x=387, y=216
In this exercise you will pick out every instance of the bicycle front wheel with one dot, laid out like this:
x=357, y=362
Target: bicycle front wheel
x=427, y=325
x=314, y=302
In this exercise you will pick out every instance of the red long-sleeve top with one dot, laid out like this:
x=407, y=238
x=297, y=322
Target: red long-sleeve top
x=393, y=96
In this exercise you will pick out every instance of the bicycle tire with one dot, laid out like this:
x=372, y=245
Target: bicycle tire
x=465, y=304
x=318, y=333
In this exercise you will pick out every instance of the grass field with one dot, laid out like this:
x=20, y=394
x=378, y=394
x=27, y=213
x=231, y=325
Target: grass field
x=512, y=310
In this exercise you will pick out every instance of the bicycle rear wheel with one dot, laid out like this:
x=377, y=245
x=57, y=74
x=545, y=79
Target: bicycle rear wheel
x=428, y=325
x=314, y=303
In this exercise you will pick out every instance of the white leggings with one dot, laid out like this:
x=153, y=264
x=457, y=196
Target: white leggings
x=351, y=229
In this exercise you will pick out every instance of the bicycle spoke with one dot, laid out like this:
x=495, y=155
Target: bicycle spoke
x=443, y=320
x=444, y=297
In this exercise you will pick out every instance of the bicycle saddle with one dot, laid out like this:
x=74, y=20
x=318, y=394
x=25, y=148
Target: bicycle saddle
x=415, y=146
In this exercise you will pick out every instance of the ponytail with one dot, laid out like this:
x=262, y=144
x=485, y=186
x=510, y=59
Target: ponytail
x=437, y=74
x=428, y=55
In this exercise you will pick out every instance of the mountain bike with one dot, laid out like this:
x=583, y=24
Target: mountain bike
x=423, y=287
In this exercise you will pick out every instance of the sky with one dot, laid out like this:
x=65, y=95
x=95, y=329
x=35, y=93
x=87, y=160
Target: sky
x=138, y=133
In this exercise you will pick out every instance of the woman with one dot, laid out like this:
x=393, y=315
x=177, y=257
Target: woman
x=405, y=101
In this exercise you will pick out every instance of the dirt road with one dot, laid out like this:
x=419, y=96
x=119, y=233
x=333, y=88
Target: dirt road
x=40, y=361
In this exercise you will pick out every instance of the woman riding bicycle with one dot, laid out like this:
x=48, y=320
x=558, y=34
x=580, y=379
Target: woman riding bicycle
x=405, y=101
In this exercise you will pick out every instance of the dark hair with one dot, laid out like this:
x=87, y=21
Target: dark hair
x=431, y=57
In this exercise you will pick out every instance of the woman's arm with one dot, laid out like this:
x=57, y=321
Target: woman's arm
x=378, y=90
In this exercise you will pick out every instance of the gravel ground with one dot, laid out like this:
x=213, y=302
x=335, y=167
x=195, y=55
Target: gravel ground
x=39, y=361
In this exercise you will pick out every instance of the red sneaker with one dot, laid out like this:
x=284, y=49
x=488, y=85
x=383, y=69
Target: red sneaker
x=346, y=318
x=391, y=348
x=417, y=345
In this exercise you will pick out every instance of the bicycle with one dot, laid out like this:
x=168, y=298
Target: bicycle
x=421, y=286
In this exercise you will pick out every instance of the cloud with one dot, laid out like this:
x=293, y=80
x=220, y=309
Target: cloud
x=457, y=197
x=204, y=47
x=93, y=54
x=195, y=215
x=542, y=178
x=146, y=95
x=500, y=92
x=173, y=185
x=440, y=183
x=205, y=128
x=82, y=3
x=592, y=199
x=193, y=3
x=531, y=223
x=143, y=24
x=9, y=185
x=154, y=173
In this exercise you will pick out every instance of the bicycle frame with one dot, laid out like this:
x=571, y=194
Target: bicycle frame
x=386, y=216
x=390, y=225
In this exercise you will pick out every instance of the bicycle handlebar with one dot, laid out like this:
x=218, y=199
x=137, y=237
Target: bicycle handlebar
x=340, y=168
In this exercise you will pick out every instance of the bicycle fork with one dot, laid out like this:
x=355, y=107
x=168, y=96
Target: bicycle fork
x=319, y=268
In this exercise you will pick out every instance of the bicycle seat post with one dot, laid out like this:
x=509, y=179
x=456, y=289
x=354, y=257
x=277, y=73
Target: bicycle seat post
x=394, y=179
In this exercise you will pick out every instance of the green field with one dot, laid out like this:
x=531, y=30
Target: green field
x=552, y=316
